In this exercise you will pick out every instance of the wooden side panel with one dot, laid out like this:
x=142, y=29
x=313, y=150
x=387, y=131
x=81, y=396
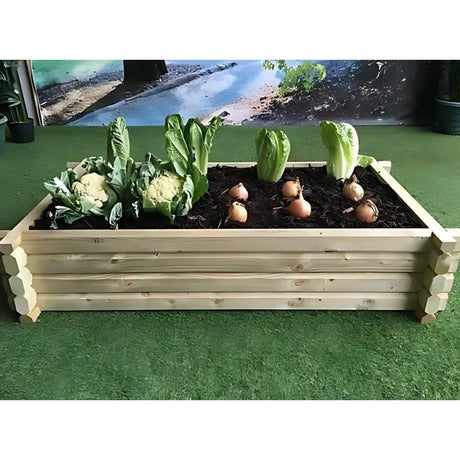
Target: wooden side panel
x=275, y=262
x=444, y=240
x=236, y=240
x=443, y=262
x=228, y=301
x=225, y=282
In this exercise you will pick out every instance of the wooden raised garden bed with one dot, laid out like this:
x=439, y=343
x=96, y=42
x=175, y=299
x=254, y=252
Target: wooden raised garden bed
x=223, y=269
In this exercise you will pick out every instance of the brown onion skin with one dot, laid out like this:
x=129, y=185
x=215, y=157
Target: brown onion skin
x=238, y=192
x=291, y=189
x=237, y=213
x=300, y=208
x=367, y=212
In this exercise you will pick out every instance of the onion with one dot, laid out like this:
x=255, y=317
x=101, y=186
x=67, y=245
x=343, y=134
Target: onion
x=291, y=189
x=352, y=190
x=237, y=213
x=300, y=208
x=238, y=192
x=367, y=212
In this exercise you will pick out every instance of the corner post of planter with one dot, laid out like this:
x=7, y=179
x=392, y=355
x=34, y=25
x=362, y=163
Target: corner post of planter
x=438, y=276
x=21, y=296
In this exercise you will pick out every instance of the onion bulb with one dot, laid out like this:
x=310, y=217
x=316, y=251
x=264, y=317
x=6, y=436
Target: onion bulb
x=367, y=212
x=238, y=192
x=237, y=213
x=300, y=208
x=352, y=190
x=291, y=189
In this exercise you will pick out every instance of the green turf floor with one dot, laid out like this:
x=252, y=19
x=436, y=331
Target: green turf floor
x=233, y=355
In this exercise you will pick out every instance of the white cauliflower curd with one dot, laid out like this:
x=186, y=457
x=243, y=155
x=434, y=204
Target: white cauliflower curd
x=91, y=188
x=164, y=187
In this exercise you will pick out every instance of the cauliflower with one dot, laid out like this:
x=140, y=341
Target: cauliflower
x=92, y=189
x=164, y=187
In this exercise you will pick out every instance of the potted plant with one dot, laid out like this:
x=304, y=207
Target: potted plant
x=12, y=103
x=3, y=121
x=447, y=104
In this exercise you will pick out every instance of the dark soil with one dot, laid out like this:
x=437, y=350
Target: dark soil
x=267, y=209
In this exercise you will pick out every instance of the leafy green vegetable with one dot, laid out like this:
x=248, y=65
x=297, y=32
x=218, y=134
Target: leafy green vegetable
x=172, y=187
x=162, y=189
x=273, y=150
x=72, y=205
x=118, y=141
x=342, y=143
x=192, y=138
x=122, y=176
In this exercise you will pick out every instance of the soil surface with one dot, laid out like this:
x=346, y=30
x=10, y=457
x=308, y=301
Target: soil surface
x=267, y=209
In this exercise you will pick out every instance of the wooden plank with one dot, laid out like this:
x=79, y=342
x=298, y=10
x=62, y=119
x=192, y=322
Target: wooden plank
x=13, y=263
x=31, y=317
x=442, y=262
x=21, y=282
x=228, y=301
x=281, y=262
x=444, y=240
x=27, y=302
x=436, y=284
x=242, y=282
x=13, y=238
x=432, y=303
x=455, y=232
x=226, y=240
x=423, y=317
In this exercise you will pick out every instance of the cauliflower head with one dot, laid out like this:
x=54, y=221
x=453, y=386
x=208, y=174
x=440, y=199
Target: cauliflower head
x=92, y=189
x=164, y=187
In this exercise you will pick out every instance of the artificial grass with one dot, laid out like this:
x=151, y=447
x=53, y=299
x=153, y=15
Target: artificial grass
x=237, y=354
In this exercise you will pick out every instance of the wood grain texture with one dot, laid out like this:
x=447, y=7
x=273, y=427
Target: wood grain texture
x=228, y=301
x=222, y=282
x=442, y=262
x=432, y=303
x=274, y=262
x=455, y=232
x=26, y=303
x=13, y=263
x=436, y=284
x=21, y=282
x=226, y=240
x=444, y=240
